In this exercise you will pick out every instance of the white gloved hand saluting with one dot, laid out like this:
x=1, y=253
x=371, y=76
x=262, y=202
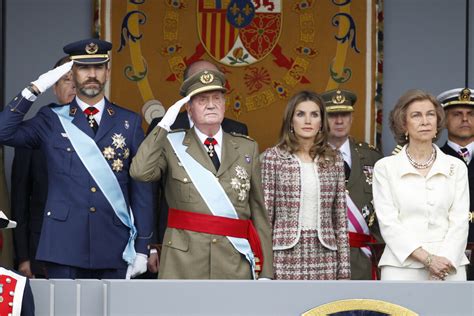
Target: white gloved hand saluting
x=172, y=114
x=138, y=267
x=46, y=80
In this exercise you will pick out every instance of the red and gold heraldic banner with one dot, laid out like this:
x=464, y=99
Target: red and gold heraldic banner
x=268, y=50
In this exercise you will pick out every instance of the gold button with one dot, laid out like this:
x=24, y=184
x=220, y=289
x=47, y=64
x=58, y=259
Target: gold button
x=93, y=189
x=49, y=213
x=92, y=209
x=68, y=149
x=185, y=179
x=214, y=241
x=169, y=242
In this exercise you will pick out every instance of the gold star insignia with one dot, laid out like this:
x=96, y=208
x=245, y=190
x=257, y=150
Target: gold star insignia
x=117, y=165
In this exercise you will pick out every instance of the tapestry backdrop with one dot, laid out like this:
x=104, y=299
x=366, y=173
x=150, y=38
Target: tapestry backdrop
x=268, y=51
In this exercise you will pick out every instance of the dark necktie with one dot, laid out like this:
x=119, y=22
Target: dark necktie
x=347, y=170
x=210, y=144
x=464, y=153
x=89, y=112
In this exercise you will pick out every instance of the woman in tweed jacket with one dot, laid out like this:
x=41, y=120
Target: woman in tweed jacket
x=304, y=190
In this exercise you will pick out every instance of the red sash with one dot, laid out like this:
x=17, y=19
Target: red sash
x=218, y=225
x=357, y=240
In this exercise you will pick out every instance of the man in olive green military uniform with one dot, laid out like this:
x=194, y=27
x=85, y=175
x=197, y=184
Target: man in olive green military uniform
x=359, y=159
x=217, y=223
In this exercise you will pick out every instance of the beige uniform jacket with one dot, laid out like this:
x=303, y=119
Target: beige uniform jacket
x=359, y=186
x=192, y=255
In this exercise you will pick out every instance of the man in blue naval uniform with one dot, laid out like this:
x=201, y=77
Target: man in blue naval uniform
x=97, y=220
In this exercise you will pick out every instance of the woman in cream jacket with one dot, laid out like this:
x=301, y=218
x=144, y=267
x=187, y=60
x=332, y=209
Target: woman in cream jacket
x=421, y=198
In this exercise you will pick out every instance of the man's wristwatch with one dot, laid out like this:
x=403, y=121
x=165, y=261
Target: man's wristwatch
x=32, y=90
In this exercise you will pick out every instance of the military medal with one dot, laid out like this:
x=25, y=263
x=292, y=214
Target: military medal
x=248, y=159
x=109, y=153
x=368, y=172
x=117, y=165
x=118, y=141
x=365, y=211
x=126, y=153
x=126, y=124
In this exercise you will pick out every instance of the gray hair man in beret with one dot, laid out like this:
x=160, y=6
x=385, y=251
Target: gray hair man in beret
x=217, y=223
x=458, y=105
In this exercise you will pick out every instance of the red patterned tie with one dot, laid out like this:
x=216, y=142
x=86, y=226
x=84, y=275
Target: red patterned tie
x=210, y=144
x=90, y=112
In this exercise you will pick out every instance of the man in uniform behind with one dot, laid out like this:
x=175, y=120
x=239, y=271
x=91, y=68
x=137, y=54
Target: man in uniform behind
x=359, y=159
x=459, y=108
x=217, y=223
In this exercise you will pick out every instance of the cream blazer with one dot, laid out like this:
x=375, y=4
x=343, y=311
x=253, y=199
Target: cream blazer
x=415, y=211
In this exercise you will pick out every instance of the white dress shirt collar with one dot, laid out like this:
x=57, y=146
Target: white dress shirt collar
x=99, y=106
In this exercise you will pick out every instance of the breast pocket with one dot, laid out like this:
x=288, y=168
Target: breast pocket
x=185, y=190
x=62, y=156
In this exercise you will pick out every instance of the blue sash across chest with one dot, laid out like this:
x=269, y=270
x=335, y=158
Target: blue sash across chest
x=100, y=171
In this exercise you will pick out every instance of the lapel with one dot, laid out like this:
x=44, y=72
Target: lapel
x=355, y=168
x=80, y=119
x=107, y=121
x=229, y=153
x=197, y=151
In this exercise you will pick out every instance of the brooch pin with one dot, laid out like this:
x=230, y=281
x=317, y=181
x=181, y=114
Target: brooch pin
x=241, y=182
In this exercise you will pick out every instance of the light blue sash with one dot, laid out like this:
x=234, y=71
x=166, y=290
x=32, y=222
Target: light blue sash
x=100, y=171
x=211, y=192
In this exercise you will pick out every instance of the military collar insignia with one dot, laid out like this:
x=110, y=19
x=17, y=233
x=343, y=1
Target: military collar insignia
x=110, y=111
x=206, y=78
x=91, y=48
x=72, y=111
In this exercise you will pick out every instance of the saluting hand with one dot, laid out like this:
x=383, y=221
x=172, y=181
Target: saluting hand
x=48, y=79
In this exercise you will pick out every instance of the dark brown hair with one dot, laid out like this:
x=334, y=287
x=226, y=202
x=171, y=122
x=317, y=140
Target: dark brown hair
x=288, y=140
x=398, y=116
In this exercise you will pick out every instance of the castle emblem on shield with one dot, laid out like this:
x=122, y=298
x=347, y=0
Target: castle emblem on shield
x=239, y=32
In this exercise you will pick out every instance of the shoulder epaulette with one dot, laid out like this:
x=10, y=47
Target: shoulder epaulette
x=177, y=130
x=397, y=149
x=364, y=145
x=241, y=135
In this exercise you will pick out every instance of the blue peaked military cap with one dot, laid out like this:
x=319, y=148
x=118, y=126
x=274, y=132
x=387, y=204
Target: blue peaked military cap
x=89, y=51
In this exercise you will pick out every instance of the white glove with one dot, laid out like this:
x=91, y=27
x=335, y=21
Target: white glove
x=172, y=114
x=46, y=80
x=138, y=267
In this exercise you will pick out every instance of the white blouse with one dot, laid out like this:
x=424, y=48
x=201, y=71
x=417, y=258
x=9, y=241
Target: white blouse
x=309, y=196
